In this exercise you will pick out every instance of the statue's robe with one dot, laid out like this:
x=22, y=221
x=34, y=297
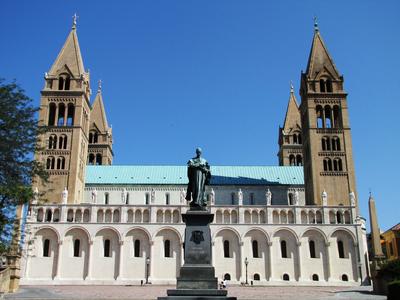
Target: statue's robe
x=199, y=175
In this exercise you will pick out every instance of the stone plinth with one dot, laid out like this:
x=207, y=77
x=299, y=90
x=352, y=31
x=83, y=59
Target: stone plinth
x=197, y=276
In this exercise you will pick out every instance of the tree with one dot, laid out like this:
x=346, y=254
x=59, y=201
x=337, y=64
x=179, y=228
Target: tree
x=19, y=133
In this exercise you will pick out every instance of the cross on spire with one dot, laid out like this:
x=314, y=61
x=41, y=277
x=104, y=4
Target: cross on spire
x=99, y=87
x=74, y=18
x=316, y=29
x=291, y=87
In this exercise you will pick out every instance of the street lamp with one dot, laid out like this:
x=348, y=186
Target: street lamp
x=147, y=269
x=246, y=262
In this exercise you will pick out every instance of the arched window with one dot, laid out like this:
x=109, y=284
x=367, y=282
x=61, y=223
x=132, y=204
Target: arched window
x=106, y=198
x=233, y=198
x=291, y=199
x=320, y=113
x=62, y=142
x=52, y=141
x=90, y=137
x=137, y=248
x=251, y=198
x=46, y=248
x=335, y=165
x=254, y=245
x=147, y=198
x=299, y=139
x=285, y=277
x=336, y=117
x=256, y=277
x=77, y=248
x=299, y=160
x=340, y=249
x=49, y=214
x=345, y=278
x=95, y=138
x=292, y=160
x=61, y=163
x=167, y=199
x=70, y=115
x=338, y=217
x=340, y=166
x=98, y=159
x=323, y=144
x=91, y=159
x=322, y=86
x=329, y=164
x=61, y=113
x=294, y=138
x=227, y=276
x=52, y=114
x=337, y=144
x=127, y=198
x=107, y=248
x=329, y=85
x=167, y=248
x=328, y=117
x=60, y=83
x=328, y=144
x=50, y=163
x=226, y=249
x=311, y=245
x=283, y=249
x=315, y=277
x=67, y=83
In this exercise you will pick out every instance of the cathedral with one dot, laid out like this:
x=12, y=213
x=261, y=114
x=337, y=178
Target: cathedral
x=293, y=224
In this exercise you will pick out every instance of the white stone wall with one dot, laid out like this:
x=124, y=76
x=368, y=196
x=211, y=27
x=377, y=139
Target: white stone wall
x=239, y=225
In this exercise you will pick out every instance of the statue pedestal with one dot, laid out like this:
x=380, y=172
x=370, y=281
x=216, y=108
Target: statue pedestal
x=197, y=276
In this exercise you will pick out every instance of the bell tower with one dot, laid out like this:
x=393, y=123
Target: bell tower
x=290, y=138
x=327, y=149
x=64, y=116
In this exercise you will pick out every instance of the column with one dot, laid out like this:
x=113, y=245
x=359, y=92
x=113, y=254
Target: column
x=182, y=254
x=299, y=259
x=269, y=215
x=93, y=214
x=120, y=260
x=151, y=260
x=59, y=257
x=153, y=214
x=327, y=263
x=271, y=269
x=89, y=264
x=242, y=267
x=56, y=116
x=65, y=115
x=123, y=213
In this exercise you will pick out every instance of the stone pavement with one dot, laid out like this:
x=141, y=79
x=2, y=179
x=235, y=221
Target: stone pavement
x=115, y=292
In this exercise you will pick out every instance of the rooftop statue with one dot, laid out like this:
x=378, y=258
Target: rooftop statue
x=199, y=176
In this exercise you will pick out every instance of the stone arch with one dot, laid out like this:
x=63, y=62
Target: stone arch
x=258, y=262
x=218, y=216
x=138, y=216
x=40, y=266
x=171, y=262
x=247, y=217
x=275, y=217
x=224, y=264
x=313, y=242
x=234, y=217
x=80, y=262
x=227, y=216
x=348, y=263
x=112, y=229
x=103, y=266
x=167, y=216
x=175, y=216
x=254, y=217
x=286, y=260
x=135, y=266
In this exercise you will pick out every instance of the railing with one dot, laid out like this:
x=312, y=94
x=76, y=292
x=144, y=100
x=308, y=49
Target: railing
x=223, y=214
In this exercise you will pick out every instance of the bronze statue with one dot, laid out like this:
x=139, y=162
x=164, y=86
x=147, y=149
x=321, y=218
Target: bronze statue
x=199, y=176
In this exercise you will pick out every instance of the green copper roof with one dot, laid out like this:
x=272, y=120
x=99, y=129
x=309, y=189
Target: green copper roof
x=221, y=175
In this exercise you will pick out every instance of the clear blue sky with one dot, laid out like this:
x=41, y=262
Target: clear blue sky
x=164, y=63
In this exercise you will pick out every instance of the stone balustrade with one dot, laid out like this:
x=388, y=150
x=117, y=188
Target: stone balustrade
x=224, y=214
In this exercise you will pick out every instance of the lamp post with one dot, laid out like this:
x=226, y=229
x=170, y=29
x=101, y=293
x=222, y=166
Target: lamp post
x=147, y=269
x=246, y=262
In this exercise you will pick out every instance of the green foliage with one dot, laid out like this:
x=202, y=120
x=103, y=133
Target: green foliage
x=391, y=269
x=18, y=142
x=393, y=290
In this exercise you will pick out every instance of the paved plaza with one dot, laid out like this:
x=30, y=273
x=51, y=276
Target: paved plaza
x=152, y=292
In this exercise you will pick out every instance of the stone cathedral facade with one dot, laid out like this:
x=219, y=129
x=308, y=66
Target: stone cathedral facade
x=297, y=223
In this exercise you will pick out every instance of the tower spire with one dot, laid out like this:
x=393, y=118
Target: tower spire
x=99, y=87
